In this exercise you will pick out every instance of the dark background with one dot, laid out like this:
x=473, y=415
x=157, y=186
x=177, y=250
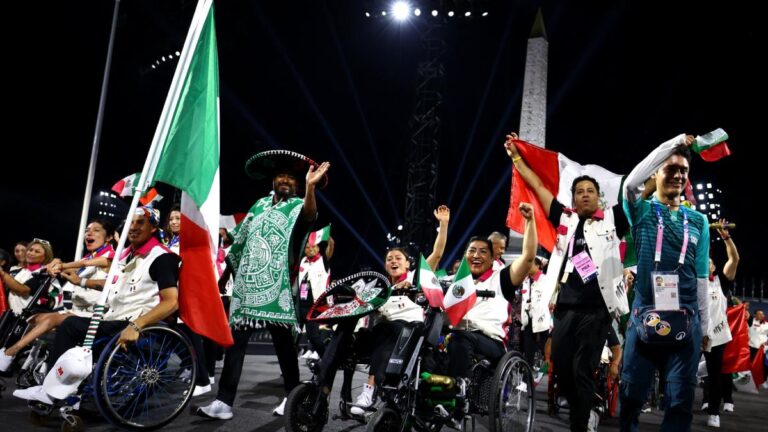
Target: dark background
x=319, y=78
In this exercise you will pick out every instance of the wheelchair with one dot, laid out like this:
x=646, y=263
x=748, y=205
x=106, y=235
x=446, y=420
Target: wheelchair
x=143, y=387
x=347, y=300
x=413, y=398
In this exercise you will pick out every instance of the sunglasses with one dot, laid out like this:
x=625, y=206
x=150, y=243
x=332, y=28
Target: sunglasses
x=41, y=241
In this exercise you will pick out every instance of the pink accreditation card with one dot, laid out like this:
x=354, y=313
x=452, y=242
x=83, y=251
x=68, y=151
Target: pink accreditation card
x=585, y=266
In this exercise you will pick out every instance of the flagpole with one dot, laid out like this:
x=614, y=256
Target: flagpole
x=155, y=150
x=97, y=136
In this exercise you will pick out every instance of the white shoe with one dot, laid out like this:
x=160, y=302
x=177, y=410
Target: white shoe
x=765, y=385
x=313, y=355
x=704, y=406
x=216, y=410
x=594, y=421
x=34, y=393
x=364, y=368
x=199, y=390
x=728, y=407
x=5, y=360
x=713, y=421
x=280, y=408
x=212, y=379
x=364, y=400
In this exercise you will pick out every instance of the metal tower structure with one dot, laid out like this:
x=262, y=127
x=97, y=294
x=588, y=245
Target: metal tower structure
x=421, y=189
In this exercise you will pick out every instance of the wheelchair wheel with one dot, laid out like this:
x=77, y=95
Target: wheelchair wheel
x=385, y=420
x=512, y=405
x=76, y=425
x=298, y=410
x=141, y=387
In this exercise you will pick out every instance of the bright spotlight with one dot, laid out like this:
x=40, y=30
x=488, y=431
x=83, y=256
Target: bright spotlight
x=383, y=13
x=417, y=12
x=467, y=13
x=485, y=13
x=450, y=13
x=367, y=14
x=401, y=10
x=434, y=12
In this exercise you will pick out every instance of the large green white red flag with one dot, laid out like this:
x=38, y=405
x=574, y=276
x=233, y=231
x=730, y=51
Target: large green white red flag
x=189, y=133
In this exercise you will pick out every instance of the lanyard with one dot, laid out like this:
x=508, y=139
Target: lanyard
x=660, y=235
x=92, y=255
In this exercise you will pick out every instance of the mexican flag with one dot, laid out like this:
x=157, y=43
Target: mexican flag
x=319, y=236
x=126, y=186
x=188, y=131
x=229, y=222
x=429, y=284
x=557, y=172
x=461, y=296
x=712, y=146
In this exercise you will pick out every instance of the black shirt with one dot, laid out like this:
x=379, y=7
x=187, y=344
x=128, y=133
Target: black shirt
x=165, y=271
x=574, y=292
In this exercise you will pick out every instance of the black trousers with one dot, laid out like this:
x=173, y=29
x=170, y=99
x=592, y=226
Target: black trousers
x=718, y=385
x=234, y=356
x=71, y=333
x=464, y=345
x=533, y=342
x=314, y=336
x=577, y=343
x=214, y=351
x=202, y=363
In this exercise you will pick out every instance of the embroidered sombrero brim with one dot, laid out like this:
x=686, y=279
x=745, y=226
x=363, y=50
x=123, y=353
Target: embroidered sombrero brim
x=354, y=296
x=266, y=165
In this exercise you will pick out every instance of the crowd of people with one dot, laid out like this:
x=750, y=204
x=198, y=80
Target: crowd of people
x=656, y=317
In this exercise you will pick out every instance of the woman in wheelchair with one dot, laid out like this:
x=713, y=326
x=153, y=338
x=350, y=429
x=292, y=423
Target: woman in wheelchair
x=399, y=310
x=483, y=329
x=145, y=293
x=84, y=279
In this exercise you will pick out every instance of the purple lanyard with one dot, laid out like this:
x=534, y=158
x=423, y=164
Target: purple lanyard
x=570, y=245
x=660, y=235
x=91, y=256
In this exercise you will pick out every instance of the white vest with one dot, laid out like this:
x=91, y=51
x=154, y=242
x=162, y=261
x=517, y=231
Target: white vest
x=399, y=307
x=490, y=315
x=603, y=244
x=538, y=308
x=83, y=299
x=315, y=274
x=758, y=333
x=135, y=292
x=16, y=302
x=718, y=318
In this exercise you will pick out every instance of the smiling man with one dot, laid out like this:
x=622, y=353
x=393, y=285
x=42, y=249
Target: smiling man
x=586, y=266
x=672, y=245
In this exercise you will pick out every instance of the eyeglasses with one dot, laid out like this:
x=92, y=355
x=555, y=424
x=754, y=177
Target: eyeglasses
x=41, y=241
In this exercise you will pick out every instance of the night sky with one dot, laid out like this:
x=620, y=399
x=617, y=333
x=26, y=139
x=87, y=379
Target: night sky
x=319, y=78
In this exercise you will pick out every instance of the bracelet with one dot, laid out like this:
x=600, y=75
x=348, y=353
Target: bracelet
x=134, y=326
x=83, y=282
x=516, y=159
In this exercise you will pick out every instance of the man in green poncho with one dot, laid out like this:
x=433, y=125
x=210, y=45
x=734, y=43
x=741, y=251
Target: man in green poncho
x=264, y=256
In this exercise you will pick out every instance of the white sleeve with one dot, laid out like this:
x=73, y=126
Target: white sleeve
x=633, y=185
x=703, y=301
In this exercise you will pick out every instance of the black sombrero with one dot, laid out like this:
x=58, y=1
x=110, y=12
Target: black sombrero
x=266, y=164
x=354, y=296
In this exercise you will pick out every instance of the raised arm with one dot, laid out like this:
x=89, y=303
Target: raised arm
x=443, y=215
x=520, y=267
x=530, y=177
x=633, y=184
x=314, y=175
x=729, y=269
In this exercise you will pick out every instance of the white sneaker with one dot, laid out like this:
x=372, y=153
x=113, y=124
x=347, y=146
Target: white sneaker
x=280, y=408
x=713, y=421
x=34, y=393
x=594, y=421
x=212, y=379
x=364, y=400
x=364, y=368
x=199, y=390
x=313, y=355
x=5, y=360
x=765, y=385
x=728, y=407
x=216, y=410
x=704, y=406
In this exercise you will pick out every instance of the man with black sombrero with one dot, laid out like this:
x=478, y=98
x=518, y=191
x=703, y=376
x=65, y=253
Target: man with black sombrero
x=265, y=249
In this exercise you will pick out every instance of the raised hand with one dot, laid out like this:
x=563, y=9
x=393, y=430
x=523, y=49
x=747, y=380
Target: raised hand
x=442, y=213
x=526, y=209
x=315, y=174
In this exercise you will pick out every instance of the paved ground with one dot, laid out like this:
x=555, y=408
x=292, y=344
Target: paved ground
x=261, y=390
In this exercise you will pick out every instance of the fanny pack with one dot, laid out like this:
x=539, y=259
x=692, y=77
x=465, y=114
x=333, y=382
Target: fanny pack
x=664, y=327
